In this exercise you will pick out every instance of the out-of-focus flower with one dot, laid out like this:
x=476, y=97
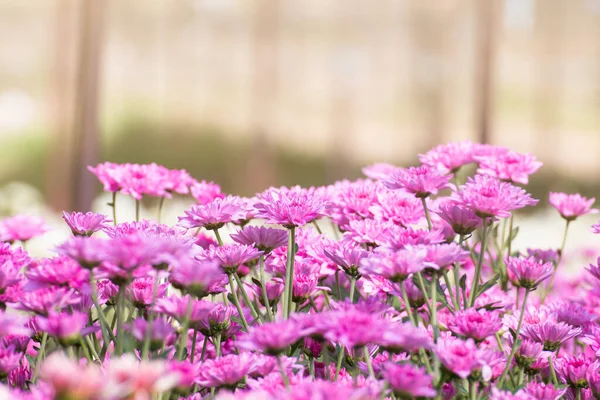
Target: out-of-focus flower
x=571, y=206
x=421, y=181
x=85, y=224
x=290, y=207
x=406, y=380
x=22, y=228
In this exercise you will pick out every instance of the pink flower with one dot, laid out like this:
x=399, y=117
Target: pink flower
x=263, y=238
x=489, y=197
x=571, y=206
x=195, y=277
x=290, y=207
x=498, y=394
x=397, y=266
x=109, y=174
x=127, y=377
x=57, y=271
x=543, y=391
x=9, y=275
x=273, y=338
x=139, y=291
x=370, y=232
x=528, y=352
x=550, y=334
x=398, y=338
x=475, y=324
x=69, y=379
x=406, y=380
x=463, y=220
x=573, y=370
x=66, y=328
x=43, y=300
x=458, y=356
x=401, y=238
x=205, y=192
x=227, y=372
x=444, y=255
x=450, y=156
x=527, y=273
x=352, y=201
x=230, y=256
x=421, y=181
x=509, y=166
x=215, y=214
x=397, y=207
x=217, y=319
x=348, y=257
x=85, y=224
x=159, y=332
x=378, y=170
x=88, y=252
x=22, y=228
x=142, y=228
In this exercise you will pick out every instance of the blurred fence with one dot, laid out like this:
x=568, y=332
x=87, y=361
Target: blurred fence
x=348, y=81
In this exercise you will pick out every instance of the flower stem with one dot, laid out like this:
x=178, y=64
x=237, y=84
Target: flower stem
x=148, y=333
x=39, y=356
x=421, y=285
x=193, y=352
x=254, y=313
x=368, y=359
x=114, y=207
x=218, y=236
x=184, y=330
x=289, y=273
x=203, y=353
x=161, y=202
x=473, y=390
x=263, y=287
x=284, y=376
x=352, y=288
x=407, y=304
x=137, y=210
x=120, y=315
x=107, y=333
x=475, y=285
x=449, y=288
x=433, y=309
x=338, y=364
x=552, y=371
x=427, y=216
x=311, y=367
x=218, y=344
x=516, y=342
x=236, y=302
x=337, y=284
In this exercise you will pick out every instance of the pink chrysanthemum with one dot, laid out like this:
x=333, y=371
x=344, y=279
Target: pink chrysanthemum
x=227, y=372
x=215, y=214
x=573, y=370
x=290, y=207
x=352, y=201
x=544, y=391
x=550, y=334
x=347, y=256
x=397, y=266
x=475, y=324
x=571, y=206
x=22, y=228
x=263, y=238
x=230, y=256
x=273, y=338
x=509, y=166
x=458, y=356
x=204, y=192
x=528, y=272
x=406, y=380
x=66, y=328
x=195, y=277
x=85, y=224
x=397, y=207
x=450, y=156
x=87, y=251
x=463, y=220
x=370, y=232
x=421, y=181
x=378, y=171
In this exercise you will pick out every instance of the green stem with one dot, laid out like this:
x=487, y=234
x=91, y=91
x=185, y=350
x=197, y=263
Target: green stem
x=184, y=330
x=39, y=356
x=368, y=359
x=284, y=376
x=449, y=288
x=120, y=319
x=254, y=313
x=473, y=390
x=107, y=333
x=218, y=236
x=407, y=304
x=337, y=284
x=92, y=348
x=311, y=367
x=160, y=208
x=352, y=288
x=578, y=394
x=114, y=207
x=218, y=344
x=552, y=371
x=427, y=216
x=193, y=352
x=421, y=285
x=317, y=227
x=289, y=273
x=475, y=285
x=204, y=345
x=148, y=333
x=137, y=210
x=434, y=324
x=516, y=341
x=510, y=229
x=263, y=287
x=236, y=302
x=338, y=364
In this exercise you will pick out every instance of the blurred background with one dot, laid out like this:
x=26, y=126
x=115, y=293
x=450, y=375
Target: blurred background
x=256, y=93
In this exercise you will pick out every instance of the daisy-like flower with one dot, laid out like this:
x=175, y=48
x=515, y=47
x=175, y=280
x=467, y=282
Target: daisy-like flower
x=544, y=391
x=528, y=272
x=56, y=271
x=263, y=238
x=22, y=228
x=69, y=379
x=139, y=291
x=273, y=338
x=475, y=324
x=215, y=214
x=401, y=238
x=404, y=338
x=498, y=394
x=571, y=206
x=509, y=166
x=66, y=328
x=551, y=334
x=195, y=277
x=159, y=332
x=450, y=156
x=87, y=251
x=291, y=207
x=421, y=181
x=204, y=192
x=397, y=266
x=458, y=356
x=109, y=174
x=225, y=372
x=346, y=256
x=593, y=379
x=370, y=232
x=397, y=207
x=127, y=377
x=352, y=201
x=489, y=197
x=86, y=224
x=379, y=171
x=573, y=370
x=528, y=352
x=463, y=220
x=445, y=254
x=406, y=380
x=230, y=256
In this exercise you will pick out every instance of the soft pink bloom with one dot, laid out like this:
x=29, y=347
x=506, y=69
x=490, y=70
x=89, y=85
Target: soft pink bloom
x=230, y=256
x=475, y=324
x=370, y=232
x=573, y=370
x=273, y=338
x=571, y=206
x=397, y=207
x=401, y=238
x=56, y=271
x=217, y=319
x=450, y=156
x=378, y=170
x=421, y=181
x=291, y=207
x=509, y=166
x=215, y=214
x=489, y=197
x=21, y=376
x=398, y=338
x=109, y=174
x=406, y=380
x=66, y=328
x=22, y=228
x=88, y=252
x=143, y=228
x=527, y=273
x=70, y=379
x=139, y=291
x=528, y=352
x=593, y=379
x=159, y=332
x=444, y=255
x=458, y=356
x=544, y=255
x=86, y=224
x=498, y=394
x=13, y=324
x=544, y=391
x=352, y=201
x=195, y=277
x=263, y=238
x=225, y=372
x=126, y=257
x=204, y=192
x=347, y=256
x=129, y=378
x=463, y=220
x=9, y=275
x=396, y=266
x=43, y=300
x=550, y=334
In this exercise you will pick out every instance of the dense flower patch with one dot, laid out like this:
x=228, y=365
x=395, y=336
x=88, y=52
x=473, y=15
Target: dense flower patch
x=404, y=285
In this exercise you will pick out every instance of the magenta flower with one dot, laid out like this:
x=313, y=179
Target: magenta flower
x=444, y=255
x=421, y=181
x=450, y=156
x=290, y=207
x=273, y=338
x=458, y=357
x=142, y=228
x=463, y=220
x=378, y=171
x=573, y=370
x=406, y=380
x=109, y=174
x=22, y=228
x=544, y=391
x=352, y=201
x=139, y=291
x=397, y=266
x=195, y=277
x=215, y=214
x=528, y=352
x=159, y=332
x=528, y=272
x=352, y=328
x=397, y=207
x=571, y=206
x=370, y=232
x=56, y=271
x=44, y=300
x=475, y=324
x=550, y=334
x=401, y=238
x=509, y=166
x=544, y=255
x=68, y=378
x=404, y=338
x=230, y=256
x=205, y=192
x=9, y=360
x=86, y=224
x=593, y=379
x=66, y=328
x=88, y=252
x=347, y=256
x=9, y=275
x=263, y=238
x=217, y=319
x=489, y=197
x=226, y=372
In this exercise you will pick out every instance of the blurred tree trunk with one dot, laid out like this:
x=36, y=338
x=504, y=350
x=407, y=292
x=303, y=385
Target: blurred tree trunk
x=487, y=27
x=59, y=178
x=86, y=118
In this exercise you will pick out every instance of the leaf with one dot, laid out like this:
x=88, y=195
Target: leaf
x=488, y=285
x=257, y=283
x=513, y=234
x=230, y=298
x=512, y=332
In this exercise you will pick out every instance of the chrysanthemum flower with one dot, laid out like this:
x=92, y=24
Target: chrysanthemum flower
x=230, y=256
x=397, y=266
x=215, y=214
x=463, y=220
x=450, y=156
x=398, y=207
x=527, y=273
x=22, y=228
x=225, y=372
x=573, y=370
x=509, y=166
x=205, y=192
x=290, y=207
x=571, y=206
x=370, y=232
x=458, y=356
x=88, y=252
x=347, y=256
x=550, y=334
x=70, y=379
x=273, y=338
x=406, y=380
x=421, y=181
x=86, y=224
x=66, y=328
x=263, y=238
x=195, y=277
x=475, y=324
x=159, y=332
x=544, y=391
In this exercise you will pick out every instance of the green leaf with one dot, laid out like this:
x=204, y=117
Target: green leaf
x=488, y=285
x=257, y=283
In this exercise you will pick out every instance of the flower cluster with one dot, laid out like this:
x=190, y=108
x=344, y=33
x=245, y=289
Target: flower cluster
x=403, y=285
